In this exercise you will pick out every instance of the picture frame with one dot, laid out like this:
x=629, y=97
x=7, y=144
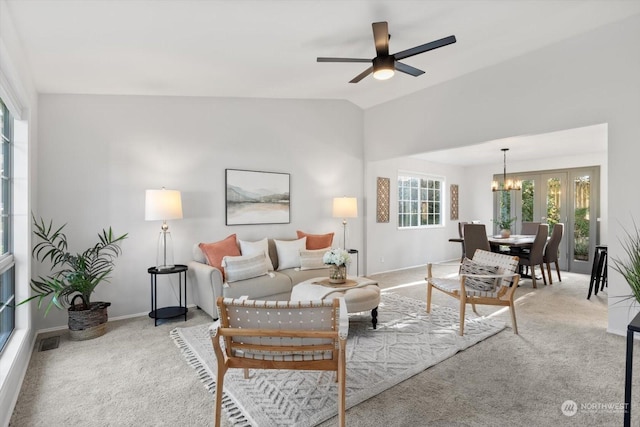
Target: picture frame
x=257, y=197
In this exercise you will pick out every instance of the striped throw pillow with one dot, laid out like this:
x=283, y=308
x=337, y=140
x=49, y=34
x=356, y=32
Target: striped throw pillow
x=244, y=267
x=479, y=283
x=312, y=259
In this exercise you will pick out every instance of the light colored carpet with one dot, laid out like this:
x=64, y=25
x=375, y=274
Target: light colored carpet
x=406, y=342
x=135, y=375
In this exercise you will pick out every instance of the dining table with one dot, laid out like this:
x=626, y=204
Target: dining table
x=522, y=241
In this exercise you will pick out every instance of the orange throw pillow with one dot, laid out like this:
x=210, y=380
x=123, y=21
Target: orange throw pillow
x=214, y=252
x=317, y=241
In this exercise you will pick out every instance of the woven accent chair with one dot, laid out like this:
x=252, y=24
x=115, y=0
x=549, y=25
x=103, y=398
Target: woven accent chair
x=498, y=288
x=304, y=335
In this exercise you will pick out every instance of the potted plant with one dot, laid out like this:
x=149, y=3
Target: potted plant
x=74, y=276
x=630, y=268
x=504, y=225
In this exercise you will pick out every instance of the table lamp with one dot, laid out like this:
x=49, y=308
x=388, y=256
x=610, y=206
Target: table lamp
x=162, y=205
x=345, y=207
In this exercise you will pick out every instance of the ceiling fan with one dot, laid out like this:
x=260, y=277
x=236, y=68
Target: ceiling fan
x=384, y=65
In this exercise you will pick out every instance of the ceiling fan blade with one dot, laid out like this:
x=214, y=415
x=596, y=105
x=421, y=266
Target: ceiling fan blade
x=425, y=47
x=381, y=38
x=408, y=69
x=362, y=75
x=343, y=60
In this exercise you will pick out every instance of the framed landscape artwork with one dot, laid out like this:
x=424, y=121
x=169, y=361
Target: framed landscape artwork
x=254, y=197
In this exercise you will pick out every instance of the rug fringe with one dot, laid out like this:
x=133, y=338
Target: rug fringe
x=233, y=413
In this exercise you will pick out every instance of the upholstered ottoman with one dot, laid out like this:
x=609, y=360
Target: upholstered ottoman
x=359, y=293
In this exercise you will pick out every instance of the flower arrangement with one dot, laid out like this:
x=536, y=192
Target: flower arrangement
x=336, y=257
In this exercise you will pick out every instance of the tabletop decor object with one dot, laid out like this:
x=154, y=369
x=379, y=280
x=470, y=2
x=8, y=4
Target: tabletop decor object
x=504, y=225
x=337, y=259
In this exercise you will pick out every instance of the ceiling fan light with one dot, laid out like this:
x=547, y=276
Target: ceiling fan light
x=383, y=67
x=383, y=74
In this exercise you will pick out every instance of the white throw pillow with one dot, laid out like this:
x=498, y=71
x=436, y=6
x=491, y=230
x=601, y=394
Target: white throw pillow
x=312, y=259
x=244, y=267
x=289, y=252
x=252, y=248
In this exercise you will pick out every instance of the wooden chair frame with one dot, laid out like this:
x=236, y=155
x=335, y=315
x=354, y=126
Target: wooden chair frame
x=309, y=344
x=503, y=296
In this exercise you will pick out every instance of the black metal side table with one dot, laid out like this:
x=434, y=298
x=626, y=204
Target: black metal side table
x=173, y=311
x=355, y=251
x=632, y=328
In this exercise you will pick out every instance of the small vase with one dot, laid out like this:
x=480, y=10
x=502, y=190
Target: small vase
x=505, y=232
x=338, y=274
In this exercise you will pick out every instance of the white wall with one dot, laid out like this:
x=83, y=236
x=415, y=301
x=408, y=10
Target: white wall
x=390, y=248
x=98, y=154
x=589, y=79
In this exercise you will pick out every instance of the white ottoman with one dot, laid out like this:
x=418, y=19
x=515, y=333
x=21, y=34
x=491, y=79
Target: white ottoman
x=359, y=293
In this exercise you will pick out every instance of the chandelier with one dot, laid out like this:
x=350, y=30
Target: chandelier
x=507, y=184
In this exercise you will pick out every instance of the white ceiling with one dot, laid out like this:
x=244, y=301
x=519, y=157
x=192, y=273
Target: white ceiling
x=268, y=48
x=588, y=139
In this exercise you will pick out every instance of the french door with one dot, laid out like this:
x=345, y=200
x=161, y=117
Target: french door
x=570, y=197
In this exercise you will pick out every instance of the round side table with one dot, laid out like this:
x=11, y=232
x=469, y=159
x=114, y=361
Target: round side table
x=173, y=311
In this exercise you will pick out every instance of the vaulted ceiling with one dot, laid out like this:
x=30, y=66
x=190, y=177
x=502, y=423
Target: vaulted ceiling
x=268, y=48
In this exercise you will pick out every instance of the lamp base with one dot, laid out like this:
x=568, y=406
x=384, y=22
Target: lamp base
x=164, y=255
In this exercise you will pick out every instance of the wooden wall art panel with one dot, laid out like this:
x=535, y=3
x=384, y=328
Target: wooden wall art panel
x=382, y=199
x=454, y=201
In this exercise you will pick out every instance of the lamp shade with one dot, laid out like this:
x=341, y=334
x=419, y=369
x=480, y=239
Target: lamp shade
x=162, y=205
x=345, y=207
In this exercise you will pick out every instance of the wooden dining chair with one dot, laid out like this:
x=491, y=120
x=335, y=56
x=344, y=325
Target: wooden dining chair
x=551, y=251
x=530, y=228
x=535, y=256
x=461, y=225
x=475, y=237
x=303, y=335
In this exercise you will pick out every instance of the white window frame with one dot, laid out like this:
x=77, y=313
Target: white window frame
x=420, y=200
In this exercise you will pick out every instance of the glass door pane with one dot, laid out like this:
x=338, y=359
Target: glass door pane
x=528, y=201
x=554, y=202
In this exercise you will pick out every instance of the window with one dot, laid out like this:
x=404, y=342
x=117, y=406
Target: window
x=7, y=269
x=420, y=201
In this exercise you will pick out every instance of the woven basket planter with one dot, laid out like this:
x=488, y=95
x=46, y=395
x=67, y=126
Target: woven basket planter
x=87, y=324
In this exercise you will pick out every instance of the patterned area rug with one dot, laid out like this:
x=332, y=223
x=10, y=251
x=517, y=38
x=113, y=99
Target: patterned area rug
x=406, y=342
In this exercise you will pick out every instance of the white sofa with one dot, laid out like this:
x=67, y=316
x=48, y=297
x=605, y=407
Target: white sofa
x=207, y=283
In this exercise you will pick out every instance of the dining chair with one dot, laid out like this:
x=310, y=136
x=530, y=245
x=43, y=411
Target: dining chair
x=536, y=255
x=488, y=279
x=475, y=237
x=461, y=225
x=551, y=251
x=530, y=228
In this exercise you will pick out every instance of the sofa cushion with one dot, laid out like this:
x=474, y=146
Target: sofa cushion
x=312, y=259
x=215, y=251
x=296, y=275
x=262, y=287
x=244, y=266
x=289, y=252
x=316, y=241
x=252, y=248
